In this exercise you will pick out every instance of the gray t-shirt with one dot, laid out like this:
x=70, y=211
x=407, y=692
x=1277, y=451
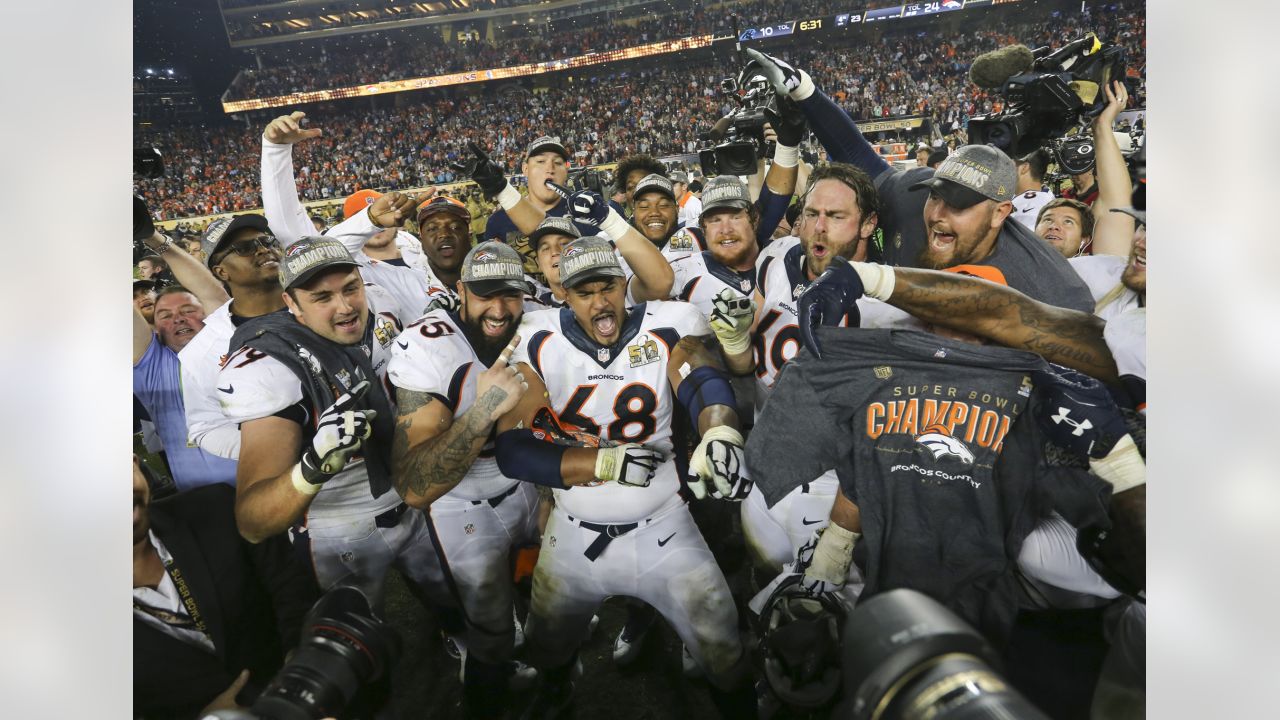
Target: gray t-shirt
x=1028, y=263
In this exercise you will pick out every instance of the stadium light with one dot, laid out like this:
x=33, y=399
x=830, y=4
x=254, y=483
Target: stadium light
x=170, y=71
x=150, y=71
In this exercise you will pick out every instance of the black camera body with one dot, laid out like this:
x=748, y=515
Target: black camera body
x=590, y=179
x=1048, y=100
x=740, y=135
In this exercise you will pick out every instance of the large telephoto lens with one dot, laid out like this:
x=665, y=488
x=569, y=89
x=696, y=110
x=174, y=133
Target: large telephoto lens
x=909, y=658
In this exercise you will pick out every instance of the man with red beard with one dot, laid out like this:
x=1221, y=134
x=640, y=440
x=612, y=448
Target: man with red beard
x=962, y=220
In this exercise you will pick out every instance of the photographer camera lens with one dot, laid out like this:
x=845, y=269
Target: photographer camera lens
x=344, y=647
x=909, y=658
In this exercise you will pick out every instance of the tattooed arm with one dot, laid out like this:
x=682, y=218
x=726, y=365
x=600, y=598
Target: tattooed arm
x=433, y=450
x=1006, y=316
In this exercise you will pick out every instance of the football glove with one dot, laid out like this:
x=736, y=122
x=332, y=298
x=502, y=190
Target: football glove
x=731, y=318
x=786, y=80
x=444, y=301
x=824, y=560
x=340, y=433
x=628, y=464
x=719, y=459
x=829, y=298
x=483, y=171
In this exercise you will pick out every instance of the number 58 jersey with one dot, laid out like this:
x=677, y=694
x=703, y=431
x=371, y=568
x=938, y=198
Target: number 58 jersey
x=619, y=392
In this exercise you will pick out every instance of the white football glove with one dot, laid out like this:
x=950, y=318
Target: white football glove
x=444, y=301
x=731, y=319
x=824, y=560
x=340, y=433
x=629, y=464
x=719, y=459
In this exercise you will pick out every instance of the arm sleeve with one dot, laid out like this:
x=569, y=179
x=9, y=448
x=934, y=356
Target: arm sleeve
x=285, y=214
x=840, y=135
x=207, y=427
x=772, y=208
x=354, y=232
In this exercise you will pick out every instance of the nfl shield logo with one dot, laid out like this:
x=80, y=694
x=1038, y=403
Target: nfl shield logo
x=745, y=285
x=884, y=372
x=603, y=354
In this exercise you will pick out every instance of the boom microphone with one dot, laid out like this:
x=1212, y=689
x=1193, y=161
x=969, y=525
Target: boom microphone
x=990, y=70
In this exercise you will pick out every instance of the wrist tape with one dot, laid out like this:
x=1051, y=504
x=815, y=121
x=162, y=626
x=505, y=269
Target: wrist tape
x=833, y=554
x=300, y=482
x=784, y=156
x=877, y=280
x=1123, y=467
x=509, y=197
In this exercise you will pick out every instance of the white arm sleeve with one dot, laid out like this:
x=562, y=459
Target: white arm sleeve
x=285, y=213
x=354, y=232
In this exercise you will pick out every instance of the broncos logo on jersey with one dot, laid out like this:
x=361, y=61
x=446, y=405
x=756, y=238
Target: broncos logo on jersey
x=941, y=443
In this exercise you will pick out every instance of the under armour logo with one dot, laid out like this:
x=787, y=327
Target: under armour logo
x=1080, y=427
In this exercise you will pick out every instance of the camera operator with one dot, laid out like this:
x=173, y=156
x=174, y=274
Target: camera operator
x=178, y=313
x=213, y=615
x=960, y=220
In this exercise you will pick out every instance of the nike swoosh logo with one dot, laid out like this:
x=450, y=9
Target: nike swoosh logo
x=403, y=345
x=228, y=389
x=807, y=521
x=664, y=542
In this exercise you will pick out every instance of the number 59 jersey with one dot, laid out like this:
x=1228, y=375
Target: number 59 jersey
x=618, y=392
x=433, y=356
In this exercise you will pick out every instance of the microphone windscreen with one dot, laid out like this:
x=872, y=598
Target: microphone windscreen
x=990, y=70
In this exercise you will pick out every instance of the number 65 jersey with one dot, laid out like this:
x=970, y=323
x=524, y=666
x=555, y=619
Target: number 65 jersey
x=433, y=355
x=618, y=392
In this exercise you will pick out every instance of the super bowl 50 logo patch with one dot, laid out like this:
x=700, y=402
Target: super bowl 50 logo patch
x=682, y=240
x=384, y=330
x=643, y=352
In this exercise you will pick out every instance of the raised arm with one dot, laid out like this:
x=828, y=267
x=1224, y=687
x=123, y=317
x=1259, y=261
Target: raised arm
x=285, y=212
x=1112, y=232
x=433, y=450
x=652, y=275
x=189, y=272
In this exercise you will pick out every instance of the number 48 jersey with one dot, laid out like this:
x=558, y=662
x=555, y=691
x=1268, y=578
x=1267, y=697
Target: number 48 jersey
x=619, y=392
x=433, y=356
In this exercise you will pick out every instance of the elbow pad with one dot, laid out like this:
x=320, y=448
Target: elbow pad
x=704, y=387
x=530, y=456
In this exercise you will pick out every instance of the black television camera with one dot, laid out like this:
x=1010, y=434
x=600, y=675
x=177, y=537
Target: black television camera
x=741, y=131
x=344, y=647
x=590, y=179
x=1047, y=94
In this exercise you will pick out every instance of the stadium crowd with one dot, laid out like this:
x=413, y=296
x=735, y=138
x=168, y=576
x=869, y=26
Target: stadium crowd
x=722, y=402
x=610, y=115
x=421, y=54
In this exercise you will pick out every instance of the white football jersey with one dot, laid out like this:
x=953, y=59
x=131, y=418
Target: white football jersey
x=1026, y=207
x=699, y=278
x=433, y=356
x=620, y=393
x=253, y=385
x=1102, y=274
x=1126, y=336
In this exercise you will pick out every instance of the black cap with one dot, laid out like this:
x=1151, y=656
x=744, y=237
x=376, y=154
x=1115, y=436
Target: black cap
x=553, y=225
x=223, y=228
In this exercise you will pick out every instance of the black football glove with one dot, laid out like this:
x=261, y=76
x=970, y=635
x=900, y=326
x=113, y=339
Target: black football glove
x=832, y=296
x=483, y=171
x=788, y=122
